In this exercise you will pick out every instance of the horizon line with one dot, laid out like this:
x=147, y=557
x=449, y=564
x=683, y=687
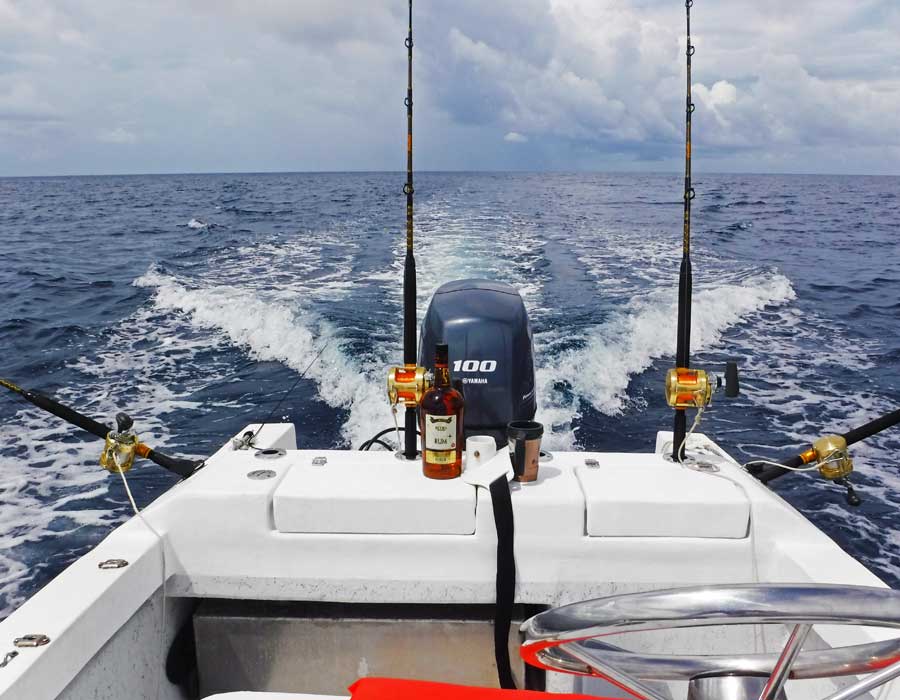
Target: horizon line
x=438, y=171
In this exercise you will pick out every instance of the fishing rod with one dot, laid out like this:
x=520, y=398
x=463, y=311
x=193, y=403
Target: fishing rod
x=407, y=384
x=685, y=276
x=686, y=387
x=409, y=264
x=121, y=437
x=830, y=455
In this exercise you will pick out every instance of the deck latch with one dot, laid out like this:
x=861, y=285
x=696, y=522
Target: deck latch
x=31, y=640
x=112, y=564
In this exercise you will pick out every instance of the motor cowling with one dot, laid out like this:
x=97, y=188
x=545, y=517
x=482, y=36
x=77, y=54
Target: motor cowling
x=485, y=323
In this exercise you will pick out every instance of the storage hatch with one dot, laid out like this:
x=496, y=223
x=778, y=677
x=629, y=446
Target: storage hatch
x=370, y=493
x=629, y=495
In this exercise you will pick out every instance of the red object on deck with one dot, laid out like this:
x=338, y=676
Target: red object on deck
x=397, y=689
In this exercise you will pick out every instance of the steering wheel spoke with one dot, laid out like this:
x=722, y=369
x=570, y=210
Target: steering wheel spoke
x=783, y=665
x=618, y=678
x=574, y=638
x=868, y=683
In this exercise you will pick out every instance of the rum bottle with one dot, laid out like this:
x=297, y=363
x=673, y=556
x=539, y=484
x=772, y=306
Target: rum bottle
x=441, y=420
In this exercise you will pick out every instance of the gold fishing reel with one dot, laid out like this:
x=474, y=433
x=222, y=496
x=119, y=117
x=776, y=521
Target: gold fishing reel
x=832, y=456
x=834, y=463
x=688, y=388
x=407, y=385
x=693, y=388
x=121, y=446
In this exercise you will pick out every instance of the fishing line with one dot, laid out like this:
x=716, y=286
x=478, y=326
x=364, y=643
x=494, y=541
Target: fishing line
x=689, y=433
x=252, y=437
x=809, y=468
x=162, y=549
x=779, y=465
x=759, y=641
x=228, y=377
x=396, y=424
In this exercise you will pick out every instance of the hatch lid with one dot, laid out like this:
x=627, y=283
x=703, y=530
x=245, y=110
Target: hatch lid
x=631, y=495
x=370, y=493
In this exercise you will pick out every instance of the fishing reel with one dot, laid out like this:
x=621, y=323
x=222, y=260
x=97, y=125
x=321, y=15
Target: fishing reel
x=693, y=388
x=834, y=462
x=121, y=446
x=407, y=385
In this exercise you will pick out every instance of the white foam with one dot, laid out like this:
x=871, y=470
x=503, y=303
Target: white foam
x=294, y=336
x=631, y=339
x=197, y=224
x=271, y=316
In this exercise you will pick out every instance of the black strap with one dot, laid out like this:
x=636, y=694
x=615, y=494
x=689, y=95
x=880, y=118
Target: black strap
x=506, y=579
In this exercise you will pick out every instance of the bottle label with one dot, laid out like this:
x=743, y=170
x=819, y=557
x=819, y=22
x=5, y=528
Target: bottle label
x=440, y=432
x=440, y=456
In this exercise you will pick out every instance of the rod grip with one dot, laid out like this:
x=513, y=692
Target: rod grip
x=410, y=450
x=183, y=467
x=888, y=420
x=409, y=309
x=67, y=414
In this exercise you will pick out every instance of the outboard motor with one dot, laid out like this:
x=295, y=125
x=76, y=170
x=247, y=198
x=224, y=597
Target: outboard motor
x=486, y=326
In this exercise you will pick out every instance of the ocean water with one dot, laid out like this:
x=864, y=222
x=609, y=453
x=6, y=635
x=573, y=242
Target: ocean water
x=193, y=301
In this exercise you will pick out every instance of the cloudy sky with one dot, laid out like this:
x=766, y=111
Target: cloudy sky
x=123, y=86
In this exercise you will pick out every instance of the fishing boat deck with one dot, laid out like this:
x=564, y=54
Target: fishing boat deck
x=322, y=526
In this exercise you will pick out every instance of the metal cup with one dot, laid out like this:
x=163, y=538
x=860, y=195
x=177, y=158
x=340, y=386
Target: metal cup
x=524, y=438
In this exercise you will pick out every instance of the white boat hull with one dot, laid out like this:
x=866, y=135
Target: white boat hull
x=341, y=532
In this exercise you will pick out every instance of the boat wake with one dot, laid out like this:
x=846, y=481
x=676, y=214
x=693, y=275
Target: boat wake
x=628, y=343
x=215, y=331
x=281, y=332
x=590, y=364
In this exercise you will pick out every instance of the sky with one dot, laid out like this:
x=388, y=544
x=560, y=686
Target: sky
x=140, y=86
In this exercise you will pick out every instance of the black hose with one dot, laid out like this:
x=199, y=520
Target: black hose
x=368, y=443
x=376, y=441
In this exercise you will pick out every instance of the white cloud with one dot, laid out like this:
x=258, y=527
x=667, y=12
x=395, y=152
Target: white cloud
x=771, y=78
x=229, y=85
x=515, y=137
x=119, y=135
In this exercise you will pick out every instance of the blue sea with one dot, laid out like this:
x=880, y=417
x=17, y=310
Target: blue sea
x=193, y=301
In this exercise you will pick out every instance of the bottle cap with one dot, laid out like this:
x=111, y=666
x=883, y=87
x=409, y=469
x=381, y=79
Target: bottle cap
x=441, y=353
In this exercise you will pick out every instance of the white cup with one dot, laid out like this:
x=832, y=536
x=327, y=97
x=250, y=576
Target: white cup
x=479, y=449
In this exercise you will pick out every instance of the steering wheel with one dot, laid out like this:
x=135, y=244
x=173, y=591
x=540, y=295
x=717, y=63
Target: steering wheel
x=566, y=639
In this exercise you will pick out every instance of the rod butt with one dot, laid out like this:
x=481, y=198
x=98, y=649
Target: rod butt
x=409, y=434
x=679, y=432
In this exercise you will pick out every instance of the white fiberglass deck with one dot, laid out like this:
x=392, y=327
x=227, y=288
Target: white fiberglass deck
x=367, y=527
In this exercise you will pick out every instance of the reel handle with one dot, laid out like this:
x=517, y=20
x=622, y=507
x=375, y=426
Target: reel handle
x=124, y=422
